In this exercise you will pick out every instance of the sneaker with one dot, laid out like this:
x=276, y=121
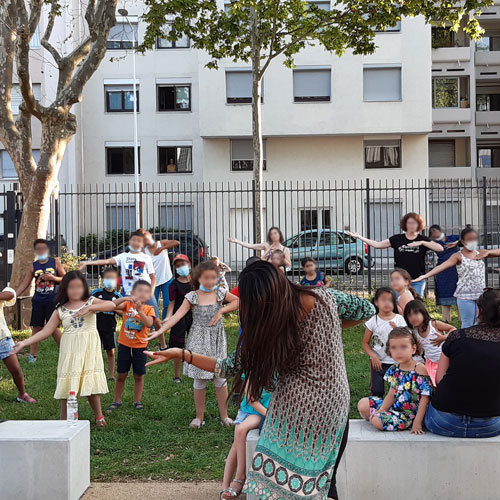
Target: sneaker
x=177, y=380
x=25, y=398
x=164, y=348
x=111, y=379
x=31, y=359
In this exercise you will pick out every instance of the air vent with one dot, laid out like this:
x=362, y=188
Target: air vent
x=456, y=131
x=489, y=133
x=488, y=73
x=456, y=69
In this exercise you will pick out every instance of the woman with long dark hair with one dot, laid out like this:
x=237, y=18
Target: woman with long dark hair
x=291, y=343
x=274, y=242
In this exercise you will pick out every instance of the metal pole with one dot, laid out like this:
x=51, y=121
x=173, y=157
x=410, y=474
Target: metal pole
x=485, y=224
x=368, y=233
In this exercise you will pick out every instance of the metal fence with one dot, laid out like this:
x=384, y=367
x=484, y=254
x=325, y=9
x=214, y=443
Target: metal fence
x=313, y=217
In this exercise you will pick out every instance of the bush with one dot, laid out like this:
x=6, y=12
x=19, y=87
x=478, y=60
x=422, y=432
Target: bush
x=70, y=261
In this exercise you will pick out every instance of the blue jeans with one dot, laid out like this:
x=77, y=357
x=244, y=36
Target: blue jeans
x=468, y=312
x=152, y=302
x=453, y=425
x=419, y=287
x=163, y=290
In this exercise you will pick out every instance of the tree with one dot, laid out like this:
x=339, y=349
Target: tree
x=18, y=21
x=259, y=31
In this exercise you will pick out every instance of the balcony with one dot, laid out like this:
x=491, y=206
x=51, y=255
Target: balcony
x=487, y=117
x=490, y=14
x=450, y=47
x=451, y=115
x=487, y=58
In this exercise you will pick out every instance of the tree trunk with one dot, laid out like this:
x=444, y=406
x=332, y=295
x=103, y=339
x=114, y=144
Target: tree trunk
x=258, y=150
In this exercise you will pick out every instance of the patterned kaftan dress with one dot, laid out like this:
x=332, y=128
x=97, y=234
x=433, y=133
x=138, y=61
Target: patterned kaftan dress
x=309, y=408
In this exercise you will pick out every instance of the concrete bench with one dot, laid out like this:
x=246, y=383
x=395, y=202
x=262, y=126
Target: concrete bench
x=44, y=459
x=381, y=465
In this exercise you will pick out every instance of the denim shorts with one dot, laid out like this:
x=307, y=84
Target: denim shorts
x=242, y=415
x=6, y=346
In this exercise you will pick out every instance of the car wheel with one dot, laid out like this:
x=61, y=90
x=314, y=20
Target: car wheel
x=353, y=265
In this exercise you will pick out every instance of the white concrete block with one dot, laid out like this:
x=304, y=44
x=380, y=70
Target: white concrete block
x=44, y=460
x=381, y=465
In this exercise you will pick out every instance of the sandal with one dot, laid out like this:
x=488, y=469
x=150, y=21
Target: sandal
x=114, y=406
x=100, y=421
x=231, y=493
x=227, y=422
x=196, y=423
x=25, y=398
x=139, y=406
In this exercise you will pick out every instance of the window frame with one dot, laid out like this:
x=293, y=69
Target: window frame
x=365, y=141
x=311, y=99
x=242, y=100
x=130, y=208
x=174, y=46
x=378, y=67
x=174, y=85
x=108, y=148
x=444, y=141
x=231, y=160
x=492, y=150
x=135, y=26
x=177, y=172
x=122, y=92
x=459, y=90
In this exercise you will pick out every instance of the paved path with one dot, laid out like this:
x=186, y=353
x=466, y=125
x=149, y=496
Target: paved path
x=152, y=490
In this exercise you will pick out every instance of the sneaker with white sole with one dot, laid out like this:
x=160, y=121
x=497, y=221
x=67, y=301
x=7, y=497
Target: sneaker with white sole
x=31, y=359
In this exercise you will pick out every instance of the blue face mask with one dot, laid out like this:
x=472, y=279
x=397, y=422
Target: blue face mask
x=109, y=283
x=183, y=271
x=203, y=289
x=43, y=257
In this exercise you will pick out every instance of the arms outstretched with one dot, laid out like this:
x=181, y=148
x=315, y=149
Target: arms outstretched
x=375, y=244
x=99, y=262
x=169, y=323
x=431, y=245
x=204, y=362
x=47, y=331
x=454, y=260
x=252, y=246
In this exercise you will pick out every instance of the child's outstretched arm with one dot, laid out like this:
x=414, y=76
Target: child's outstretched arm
x=377, y=365
x=99, y=262
x=97, y=305
x=47, y=331
x=452, y=261
x=181, y=312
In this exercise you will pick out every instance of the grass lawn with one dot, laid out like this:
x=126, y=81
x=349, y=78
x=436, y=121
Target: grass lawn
x=155, y=443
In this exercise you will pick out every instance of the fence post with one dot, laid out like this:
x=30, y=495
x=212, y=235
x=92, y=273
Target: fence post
x=139, y=222
x=368, y=233
x=10, y=233
x=485, y=225
x=254, y=215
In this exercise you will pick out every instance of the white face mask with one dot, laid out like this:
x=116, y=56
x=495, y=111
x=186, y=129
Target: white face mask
x=471, y=245
x=440, y=237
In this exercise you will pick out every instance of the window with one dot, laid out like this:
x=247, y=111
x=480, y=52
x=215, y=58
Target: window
x=488, y=157
x=35, y=39
x=384, y=218
x=7, y=165
x=175, y=159
x=382, y=83
x=390, y=29
x=309, y=219
x=120, y=217
x=242, y=155
x=442, y=37
x=488, y=102
x=120, y=160
x=120, y=98
x=382, y=154
x=320, y=4
x=450, y=92
x=311, y=84
x=446, y=214
x=178, y=217
x=17, y=98
x=488, y=43
x=182, y=42
x=122, y=36
x=239, y=86
x=330, y=238
x=441, y=153
x=174, y=97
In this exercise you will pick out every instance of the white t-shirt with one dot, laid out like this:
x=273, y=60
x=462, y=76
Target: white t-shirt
x=4, y=329
x=380, y=329
x=134, y=267
x=161, y=263
x=432, y=352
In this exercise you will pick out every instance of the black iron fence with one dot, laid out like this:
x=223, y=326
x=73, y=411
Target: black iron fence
x=314, y=218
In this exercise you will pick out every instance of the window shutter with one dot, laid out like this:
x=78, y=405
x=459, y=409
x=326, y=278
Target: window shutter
x=441, y=154
x=238, y=84
x=382, y=84
x=312, y=83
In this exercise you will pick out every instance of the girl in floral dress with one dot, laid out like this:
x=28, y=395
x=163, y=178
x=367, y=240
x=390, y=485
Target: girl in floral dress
x=410, y=388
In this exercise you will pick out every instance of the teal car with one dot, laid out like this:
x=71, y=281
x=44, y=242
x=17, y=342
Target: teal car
x=334, y=251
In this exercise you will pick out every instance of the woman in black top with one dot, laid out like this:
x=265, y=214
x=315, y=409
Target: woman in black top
x=409, y=247
x=466, y=402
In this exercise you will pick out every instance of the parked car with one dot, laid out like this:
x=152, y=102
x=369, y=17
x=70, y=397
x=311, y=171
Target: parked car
x=334, y=251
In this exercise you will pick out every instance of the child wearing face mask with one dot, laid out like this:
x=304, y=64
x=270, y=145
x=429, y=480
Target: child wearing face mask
x=106, y=321
x=206, y=336
x=178, y=290
x=471, y=274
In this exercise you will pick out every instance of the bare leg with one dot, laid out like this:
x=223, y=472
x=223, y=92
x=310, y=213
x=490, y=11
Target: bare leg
x=34, y=347
x=221, y=394
x=177, y=368
x=119, y=387
x=95, y=404
x=446, y=312
x=230, y=467
x=199, y=403
x=364, y=408
x=12, y=364
x=161, y=338
x=240, y=437
x=376, y=422
x=64, y=415
x=57, y=336
x=138, y=387
x=111, y=363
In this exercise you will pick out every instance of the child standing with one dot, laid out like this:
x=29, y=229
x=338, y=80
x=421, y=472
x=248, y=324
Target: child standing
x=409, y=392
x=430, y=332
x=377, y=332
x=223, y=269
x=138, y=318
x=250, y=415
x=80, y=367
x=313, y=277
x=106, y=321
x=401, y=284
x=7, y=354
x=48, y=273
x=179, y=288
x=206, y=336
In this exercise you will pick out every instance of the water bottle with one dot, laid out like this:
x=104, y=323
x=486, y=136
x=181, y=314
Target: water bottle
x=72, y=409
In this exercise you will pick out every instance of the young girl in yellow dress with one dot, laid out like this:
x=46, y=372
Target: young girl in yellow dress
x=80, y=367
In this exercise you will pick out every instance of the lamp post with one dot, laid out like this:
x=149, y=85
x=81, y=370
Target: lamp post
x=138, y=222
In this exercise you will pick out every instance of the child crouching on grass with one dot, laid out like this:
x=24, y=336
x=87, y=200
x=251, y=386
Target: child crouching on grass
x=250, y=415
x=138, y=318
x=410, y=388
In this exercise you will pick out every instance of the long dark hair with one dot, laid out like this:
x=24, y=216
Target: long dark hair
x=270, y=315
x=407, y=277
x=417, y=306
x=379, y=292
x=62, y=293
x=269, y=234
x=196, y=273
x=489, y=308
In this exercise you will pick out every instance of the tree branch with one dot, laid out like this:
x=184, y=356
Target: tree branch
x=48, y=31
x=273, y=39
x=35, y=13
